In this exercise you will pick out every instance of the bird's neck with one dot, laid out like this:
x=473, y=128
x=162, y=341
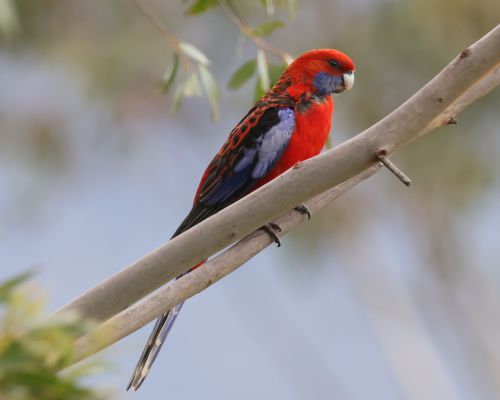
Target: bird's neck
x=299, y=92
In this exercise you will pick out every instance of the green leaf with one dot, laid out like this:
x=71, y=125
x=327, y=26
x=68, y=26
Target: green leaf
x=242, y=74
x=269, y=6
x=194, y=53
x=178, y=95
x=275, y=71
x=192, y=87
x=200, y=6
x=34, y=348
x=267, y=28
x=211, y=89
x=170, y=74
x=263, y=70
x=9, y=21
x=9, y=286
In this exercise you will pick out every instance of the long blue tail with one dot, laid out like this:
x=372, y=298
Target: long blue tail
x=153, y=346
x=163, y=324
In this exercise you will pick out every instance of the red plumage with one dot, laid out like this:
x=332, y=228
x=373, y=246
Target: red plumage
x=308, y=139
x=312, y=115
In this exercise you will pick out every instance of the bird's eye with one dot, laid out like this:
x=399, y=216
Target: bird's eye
x=333, y=63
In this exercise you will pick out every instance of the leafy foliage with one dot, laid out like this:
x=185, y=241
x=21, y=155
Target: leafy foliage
x=8, y=287
x=211, y=89
x=267, y=28
x=33, y=350
x=271, y=5
x=194, y=53
x=271, y=73
x=9, y=23
x=242, y=74
x=263, y=70
x=201, y=6
x=170, y=74
x=188, y=79
x=191, y=80
x=274, y=71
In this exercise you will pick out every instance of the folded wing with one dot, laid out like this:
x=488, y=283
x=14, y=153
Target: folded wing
x=253, y=148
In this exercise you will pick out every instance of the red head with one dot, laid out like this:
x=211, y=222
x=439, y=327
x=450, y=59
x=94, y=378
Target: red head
x=322, y=72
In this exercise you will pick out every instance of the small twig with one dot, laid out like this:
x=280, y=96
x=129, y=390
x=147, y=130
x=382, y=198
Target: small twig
x=231, y=11
x=174, y=42
x=171, y=38
x=382, y=156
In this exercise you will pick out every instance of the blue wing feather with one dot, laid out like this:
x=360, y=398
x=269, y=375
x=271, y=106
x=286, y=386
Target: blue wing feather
x=257, y=154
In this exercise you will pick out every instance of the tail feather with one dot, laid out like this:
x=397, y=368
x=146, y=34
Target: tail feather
x=153, y=346
x=166, y=321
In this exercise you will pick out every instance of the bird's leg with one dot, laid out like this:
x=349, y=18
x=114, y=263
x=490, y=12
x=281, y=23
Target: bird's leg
x=271, y=228
x=302, y=208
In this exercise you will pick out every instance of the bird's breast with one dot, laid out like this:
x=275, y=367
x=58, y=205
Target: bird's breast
x=312, y=126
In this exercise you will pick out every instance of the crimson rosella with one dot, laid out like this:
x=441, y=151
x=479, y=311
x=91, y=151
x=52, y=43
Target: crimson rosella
x=289, y=124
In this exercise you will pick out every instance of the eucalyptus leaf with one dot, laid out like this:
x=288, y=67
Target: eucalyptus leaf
x=269, y=6
x=178, y=95
x=267, y=28
x=242, y=74
x=263, y=70
x=200, y=6
x=292, y=8
x=194, y=53
x=9, y=21
x=33, y=349
x=192, y=87
x=275, y=71
x=170, y=74
x=6, y=288
x=211, y=89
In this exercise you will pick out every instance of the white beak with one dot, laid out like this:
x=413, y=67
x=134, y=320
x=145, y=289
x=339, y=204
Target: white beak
x=348, y=81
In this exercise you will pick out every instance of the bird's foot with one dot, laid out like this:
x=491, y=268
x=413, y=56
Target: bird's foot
x=271, y=229
x=302, y=208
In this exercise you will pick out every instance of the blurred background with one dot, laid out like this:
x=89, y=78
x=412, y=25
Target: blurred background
x=390, y=293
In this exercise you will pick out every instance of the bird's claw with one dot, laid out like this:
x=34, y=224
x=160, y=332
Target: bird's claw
x=302, y=208
x=271, y=228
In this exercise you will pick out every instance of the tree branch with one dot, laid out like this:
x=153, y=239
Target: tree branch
x=162, y=300
x=469, y=76
x=171, y=39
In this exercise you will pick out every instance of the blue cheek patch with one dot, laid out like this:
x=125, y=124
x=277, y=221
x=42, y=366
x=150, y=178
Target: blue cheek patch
x=327, y=84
